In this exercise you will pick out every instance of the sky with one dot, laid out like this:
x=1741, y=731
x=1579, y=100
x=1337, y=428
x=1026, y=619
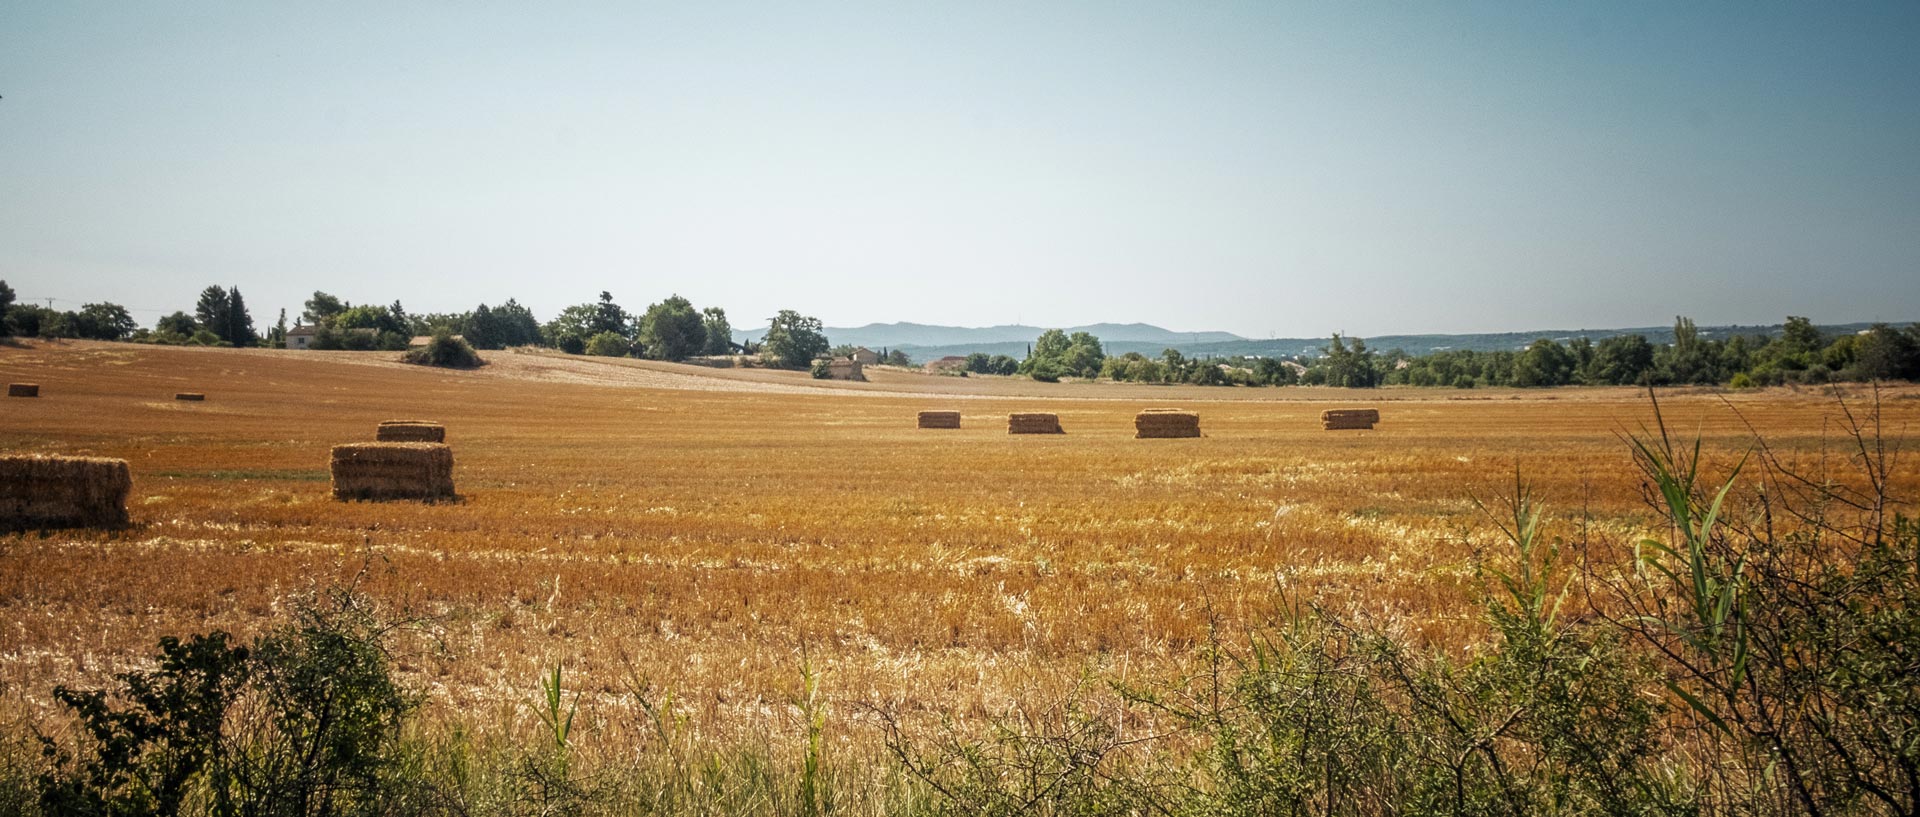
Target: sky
x=1269, y=169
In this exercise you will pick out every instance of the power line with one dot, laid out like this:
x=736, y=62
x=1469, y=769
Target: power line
x=50, y=301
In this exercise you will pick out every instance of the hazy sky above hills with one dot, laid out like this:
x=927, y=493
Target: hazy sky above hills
x=1266, y=168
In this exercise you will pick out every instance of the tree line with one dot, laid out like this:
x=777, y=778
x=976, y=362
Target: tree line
x=671, y=329
x=1800, y=353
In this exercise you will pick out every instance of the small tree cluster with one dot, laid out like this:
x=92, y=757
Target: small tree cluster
x=794, y=340
x=1057, y=354
x=982, y=363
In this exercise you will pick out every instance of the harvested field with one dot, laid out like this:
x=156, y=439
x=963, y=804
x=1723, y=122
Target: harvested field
x=62, y=492
x=939, y=419
x=706, y=538
x=1166, y=424
x=410, y=431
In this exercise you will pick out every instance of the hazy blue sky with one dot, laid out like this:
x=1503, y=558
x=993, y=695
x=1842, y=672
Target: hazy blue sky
x=1265, y=168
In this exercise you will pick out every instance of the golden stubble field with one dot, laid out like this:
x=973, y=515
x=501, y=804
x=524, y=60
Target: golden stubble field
x=698, y=532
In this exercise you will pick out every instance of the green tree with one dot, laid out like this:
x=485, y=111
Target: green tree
x=321, y=309
x=672, y=330
x=102, y=321
x=1057, y=354
x=1274, y=371
x=1544, y=363
x=497, y=327
x=517, y=324
x=6, y=305
x=1799, y=336
x=277, y=337
x=224, y=313
x=378, y=318
x=1348, y=366
x=609, y=344
x=583, y=321
x=240, y=330
x=1084, y=355
x=719, y=331
x=178, y=323
x=28, y=320
x=212, y=311
x=1621, y=360
x=574, y=322
x=482, y=329
x=1689, y=359
x=793, y=340
x=609, y=317
x=1885, y=353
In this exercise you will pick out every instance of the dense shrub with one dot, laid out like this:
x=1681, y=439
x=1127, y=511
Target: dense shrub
x=607, y=344
x=446, y=351
x=307, y=722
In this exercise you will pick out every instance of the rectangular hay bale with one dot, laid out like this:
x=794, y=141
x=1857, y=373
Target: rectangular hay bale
x=190, y=396
x=389, y=470
x=939, y=419
x=63, y=492
x=1034, y=422
x=410, y=431
x=1339, y=419
x=1165, y=424
x=23, y=390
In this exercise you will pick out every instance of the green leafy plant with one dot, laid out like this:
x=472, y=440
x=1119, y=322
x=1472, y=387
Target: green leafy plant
x=555, y=713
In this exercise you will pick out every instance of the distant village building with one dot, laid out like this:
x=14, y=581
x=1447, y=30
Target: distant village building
x=301, y=337
x=845, y=369
x=950, y=363
x=866, y=357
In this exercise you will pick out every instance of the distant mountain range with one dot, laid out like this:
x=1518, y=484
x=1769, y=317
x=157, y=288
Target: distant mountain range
x=924, y=342
x=876, y=335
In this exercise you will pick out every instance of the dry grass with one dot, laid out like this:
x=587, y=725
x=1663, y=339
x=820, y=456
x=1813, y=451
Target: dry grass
x=702, y=537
